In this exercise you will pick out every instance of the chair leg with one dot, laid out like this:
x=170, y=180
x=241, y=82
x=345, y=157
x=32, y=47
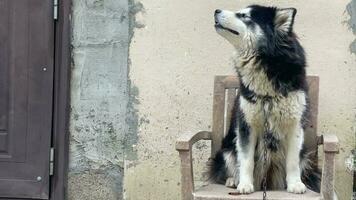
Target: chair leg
x=327, y=181
x=187, y=182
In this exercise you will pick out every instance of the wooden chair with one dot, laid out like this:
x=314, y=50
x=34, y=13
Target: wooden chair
x=224, y=94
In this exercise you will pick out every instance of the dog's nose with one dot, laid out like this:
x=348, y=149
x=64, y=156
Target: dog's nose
x=217, y=11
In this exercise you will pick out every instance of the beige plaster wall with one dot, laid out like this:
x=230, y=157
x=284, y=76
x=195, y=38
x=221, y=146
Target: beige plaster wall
x=174, y=58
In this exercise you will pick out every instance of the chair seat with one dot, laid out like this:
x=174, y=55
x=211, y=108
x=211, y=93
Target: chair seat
x=221, y=192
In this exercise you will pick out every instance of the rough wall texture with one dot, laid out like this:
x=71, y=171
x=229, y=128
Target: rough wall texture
x=99, y=98
x=174, y=59
x=351, y=9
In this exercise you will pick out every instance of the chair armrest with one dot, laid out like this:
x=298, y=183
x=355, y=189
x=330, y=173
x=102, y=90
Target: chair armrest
x=186, y=140
x=330, y=143
x=184, y=147
x=331, y=148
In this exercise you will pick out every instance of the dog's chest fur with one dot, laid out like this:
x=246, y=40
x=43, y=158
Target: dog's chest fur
x=284, y=111
x=283, y=114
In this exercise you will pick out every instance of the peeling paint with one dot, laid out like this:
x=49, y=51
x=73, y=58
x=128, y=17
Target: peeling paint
x=132, y=122
x=351, y=9
x=136, y=9
x=353, y=47
x=132, y=118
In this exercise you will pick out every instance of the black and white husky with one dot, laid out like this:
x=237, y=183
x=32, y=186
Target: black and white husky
x=270, y=63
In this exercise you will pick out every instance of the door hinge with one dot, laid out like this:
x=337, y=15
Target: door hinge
x=51, y=162
x=55, y=9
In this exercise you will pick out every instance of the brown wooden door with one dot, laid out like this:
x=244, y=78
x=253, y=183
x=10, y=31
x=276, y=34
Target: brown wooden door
x=26, y=86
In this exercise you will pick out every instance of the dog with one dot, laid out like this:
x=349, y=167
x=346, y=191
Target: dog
x=271, y=108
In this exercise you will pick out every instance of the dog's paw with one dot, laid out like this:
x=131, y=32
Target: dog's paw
x=297, y=188
x=245, y=188
x=230, y=182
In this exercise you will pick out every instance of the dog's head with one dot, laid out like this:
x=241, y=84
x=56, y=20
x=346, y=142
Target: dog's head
x=255, y=27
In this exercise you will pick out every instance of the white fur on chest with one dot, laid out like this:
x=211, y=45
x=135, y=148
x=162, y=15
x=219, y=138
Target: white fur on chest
x=255, y=78
x=285, y=112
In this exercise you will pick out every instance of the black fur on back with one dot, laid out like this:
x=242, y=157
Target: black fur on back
x=280, y=54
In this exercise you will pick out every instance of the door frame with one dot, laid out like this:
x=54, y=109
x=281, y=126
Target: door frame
x=61, y=101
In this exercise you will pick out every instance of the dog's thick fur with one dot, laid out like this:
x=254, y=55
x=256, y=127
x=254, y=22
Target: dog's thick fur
x=270, y=63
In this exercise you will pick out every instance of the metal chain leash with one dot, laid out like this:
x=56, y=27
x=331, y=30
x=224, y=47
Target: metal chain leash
x=265, y=135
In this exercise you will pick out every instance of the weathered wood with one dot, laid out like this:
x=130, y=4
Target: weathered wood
x=185, y=141
x=221, y=192
x=331, y=147
x=327, y=179
x=187, y=179
x=310, y=140
x=230, y=100
x=184, y=147
x=319, y=140
x=331, y=143
x=229, y=81
x=218, y=114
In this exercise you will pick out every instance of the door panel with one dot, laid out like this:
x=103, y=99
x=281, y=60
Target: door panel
x=26, y=83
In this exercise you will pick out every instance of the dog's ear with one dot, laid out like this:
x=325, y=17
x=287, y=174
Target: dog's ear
x=284, y=19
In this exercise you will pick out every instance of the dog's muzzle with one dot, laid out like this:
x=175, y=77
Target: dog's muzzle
x=219, y=26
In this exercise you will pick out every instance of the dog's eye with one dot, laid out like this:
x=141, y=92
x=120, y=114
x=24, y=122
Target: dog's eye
x=241, y=15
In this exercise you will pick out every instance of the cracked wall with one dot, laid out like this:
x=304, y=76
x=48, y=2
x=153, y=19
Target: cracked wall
x=99, y=99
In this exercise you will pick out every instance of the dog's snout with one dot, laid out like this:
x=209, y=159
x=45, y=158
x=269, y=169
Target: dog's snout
x=217, y=11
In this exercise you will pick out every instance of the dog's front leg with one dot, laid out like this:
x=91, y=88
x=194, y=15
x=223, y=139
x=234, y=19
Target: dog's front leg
x=295, y=142
x=246, y=150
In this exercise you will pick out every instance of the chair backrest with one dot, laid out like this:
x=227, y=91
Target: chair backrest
x=225, y=90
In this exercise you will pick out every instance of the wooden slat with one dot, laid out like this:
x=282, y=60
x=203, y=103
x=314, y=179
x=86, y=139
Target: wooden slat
x=327, y=179
x=187, y=179
x=186, y=140
x=230, y=100
x=311, y=141
x=230, y=81
x=331, y=143
x=218, y=114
